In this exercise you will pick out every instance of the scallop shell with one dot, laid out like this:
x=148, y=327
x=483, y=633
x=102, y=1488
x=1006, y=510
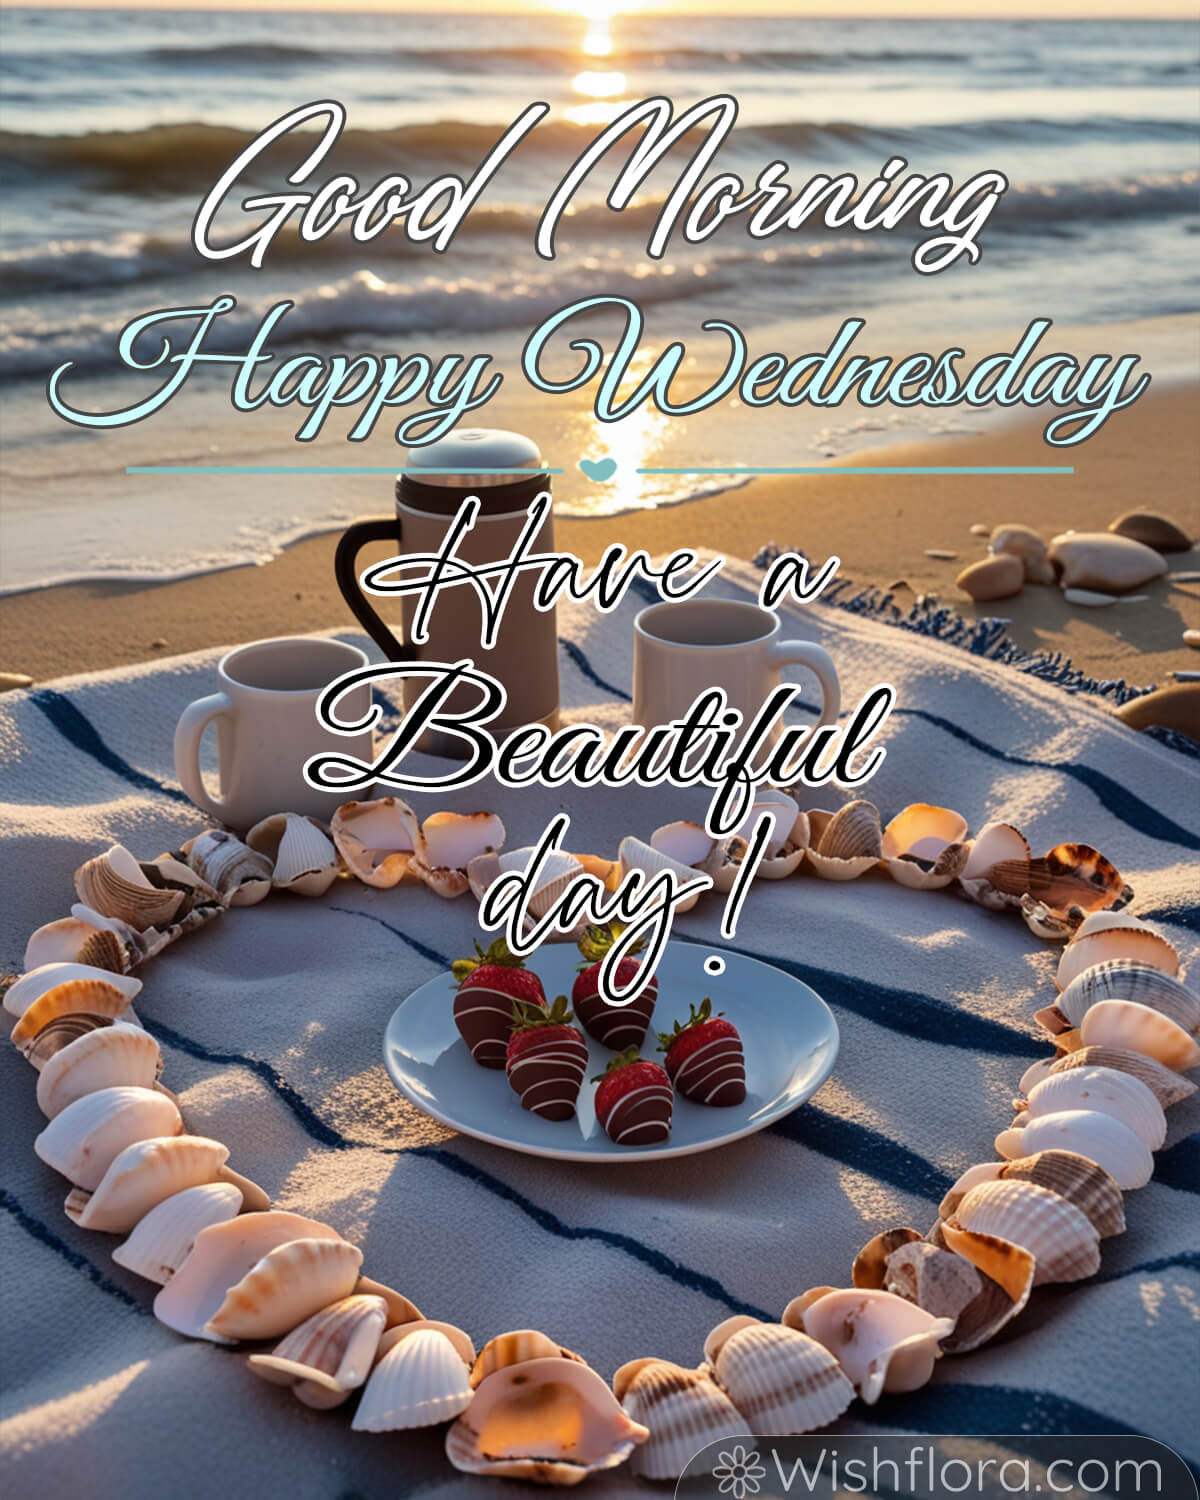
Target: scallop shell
x=994, y=844
x=113, y=884
x=303, y=859
x=515, y=1348
x=75, y=941
x=847, y=843
x=83, y=1140
x=86, y=998
x=683, y=1409
x=882, y=1342
x=1060, y=1237
x=239, y=875
x=376, y=840
x=1100, y=1138
x=635, y=855
x=1125, y=1024
x=552, y=1421
x=399, y=1309
x=162, y=1240
x=420, y=1379
x=1079, y=1180
x=923, y=846
x=328, y=1355
x=984, y=1171
x=555, y=874
x=1166, y=1086
x=21, y=994
x=1008, y=1267
x=1121, y=1095
x=142, y=1175
x=1123, y=979
x=220, y=1258
x=781, y=1380
x=285, y=1287
x=1108, y=935
x=102, y=1059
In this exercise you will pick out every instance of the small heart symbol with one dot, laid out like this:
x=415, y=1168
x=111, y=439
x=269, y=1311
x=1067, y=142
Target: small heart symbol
x=598, y=469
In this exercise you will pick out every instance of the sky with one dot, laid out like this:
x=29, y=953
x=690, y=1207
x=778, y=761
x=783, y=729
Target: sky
x=1008, y=9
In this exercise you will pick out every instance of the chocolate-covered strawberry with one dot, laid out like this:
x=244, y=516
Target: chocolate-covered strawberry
x=546, y=1060
x=705, y=1058
x=634, y=1101
x=489, y=985
x=615, y=1026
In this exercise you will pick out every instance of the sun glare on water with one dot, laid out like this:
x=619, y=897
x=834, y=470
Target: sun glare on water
x=602, y=87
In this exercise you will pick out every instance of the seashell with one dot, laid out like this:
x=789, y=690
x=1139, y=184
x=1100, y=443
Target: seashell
x=1106, y=935
x=683, y=1409
x=1008, y=1267
x=605, y=870
x=113, y=884
x=328, y=1355
x=870, y=1264
x=1103, y=561
x=847, y=843
x=420, y=1379
x=222, y=1255
x=984, y=1171
x=923, y=846
x=444, y=882
x=83, y=1140
x=942, y=1283
x=1060, y=1237
x=303, y=859
x=1015, y=540
x=1123, y=979
x=239, y=875
x=1125, y=1024
x=1089, y=598
x=66, y=1012
x=557, y=872
x=1100, y=1138
x=451, y=840
x=882, y=1342
x=21, y=994
x=789, y=826
x=143, y=1175
x=74, y=941
x=994, y=844
x=285, y=1287
x=996, y=577
x=1048, y=924
x=552, y=1421
x=635, y=855
x=689, y=844
x=162, y=1240
x=1120, y=1095
x=515, y=1348
x=1152, y=530
x=781, y=1380
x=376, y=840
x=1079, y=1180
x=1167, y=1087
x=399, y=1309
x=106, y=1058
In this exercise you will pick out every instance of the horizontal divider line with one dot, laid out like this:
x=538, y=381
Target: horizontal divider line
x=311, y=469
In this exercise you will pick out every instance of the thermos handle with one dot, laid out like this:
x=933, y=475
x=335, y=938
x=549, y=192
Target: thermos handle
x=345, y=565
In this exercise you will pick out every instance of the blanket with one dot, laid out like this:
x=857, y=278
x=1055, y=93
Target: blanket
x=271, y=1022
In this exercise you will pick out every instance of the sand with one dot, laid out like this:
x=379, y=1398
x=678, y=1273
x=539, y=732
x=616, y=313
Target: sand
x=880, y=527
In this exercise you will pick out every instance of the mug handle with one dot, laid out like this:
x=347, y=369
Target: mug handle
x=820, y=664
x=194, y=720
x=345, y=567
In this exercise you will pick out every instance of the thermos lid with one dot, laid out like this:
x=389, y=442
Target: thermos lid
x=462, y=455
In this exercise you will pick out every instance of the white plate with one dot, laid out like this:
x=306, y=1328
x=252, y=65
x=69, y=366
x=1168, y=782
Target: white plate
x=788, y=1033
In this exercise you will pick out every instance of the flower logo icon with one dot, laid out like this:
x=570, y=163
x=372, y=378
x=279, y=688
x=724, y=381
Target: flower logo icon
x=738, y=1473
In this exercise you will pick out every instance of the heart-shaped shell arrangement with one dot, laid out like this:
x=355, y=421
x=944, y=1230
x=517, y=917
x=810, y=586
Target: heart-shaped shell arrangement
x=231, y=1269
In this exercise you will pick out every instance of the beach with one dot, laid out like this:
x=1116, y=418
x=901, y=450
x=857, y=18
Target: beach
x=879, y=526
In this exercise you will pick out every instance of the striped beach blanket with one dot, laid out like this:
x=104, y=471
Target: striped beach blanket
x=271, y=1023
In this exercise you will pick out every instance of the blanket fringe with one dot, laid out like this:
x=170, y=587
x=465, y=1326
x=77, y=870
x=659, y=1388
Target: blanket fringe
x=987, y=637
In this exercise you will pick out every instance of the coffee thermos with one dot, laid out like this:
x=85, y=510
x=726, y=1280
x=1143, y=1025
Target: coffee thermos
x=429, y=492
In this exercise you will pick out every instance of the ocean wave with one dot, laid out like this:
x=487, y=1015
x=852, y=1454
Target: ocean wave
x=185, y=156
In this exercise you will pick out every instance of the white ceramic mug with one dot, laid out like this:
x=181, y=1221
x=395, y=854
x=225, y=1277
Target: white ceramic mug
x=682, y=647
x=267, y=728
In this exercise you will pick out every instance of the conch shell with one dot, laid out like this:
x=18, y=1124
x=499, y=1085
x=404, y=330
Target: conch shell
x=328, y=1355
x=882, y=1342
x=847, y=843
x=303, y=859
x=108, y=1057
x=420, y=1379
x=163, y=1239
x=84, y=1139
x=684, y=1410
x=376, y=840
x=239, y=875
x=923, y=846
x=780, y=1379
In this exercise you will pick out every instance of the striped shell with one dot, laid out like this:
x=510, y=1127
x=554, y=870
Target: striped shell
x=1108, y=935
x=163, y=1239
x=285, y=1287
x=781, y=1380
x=143, y=1175
x=302, y=857
x=1123, y=979
x=328, y=1355
x=683, y=1409
x=31, y=986
x=1060, y=1237
x=55, y=1009
x=1167, y=1086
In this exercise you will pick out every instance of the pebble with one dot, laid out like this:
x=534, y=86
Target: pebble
x=1089, y=597
x=10, y=680
x=1103, y=561
x=158, y=643
x=940, y=554
x=1176, y=707
x=995, y=577
x=979, y=529
x=1152, y=530
x=1192, y=638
